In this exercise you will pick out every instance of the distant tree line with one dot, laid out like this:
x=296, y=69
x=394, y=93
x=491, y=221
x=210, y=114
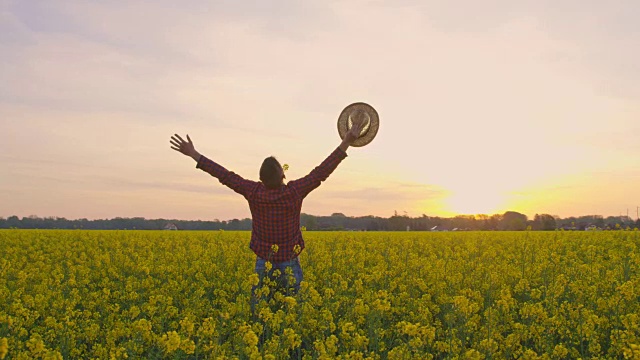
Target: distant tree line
x=510, y=220
x=118, y=223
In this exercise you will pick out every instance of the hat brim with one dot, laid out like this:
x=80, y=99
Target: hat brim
x=368, y=132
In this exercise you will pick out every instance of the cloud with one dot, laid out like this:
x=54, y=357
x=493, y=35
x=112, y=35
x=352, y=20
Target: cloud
x=380, y=200
x=143, y=28
x=600, y=36
x=389, y=192
x=44, y=173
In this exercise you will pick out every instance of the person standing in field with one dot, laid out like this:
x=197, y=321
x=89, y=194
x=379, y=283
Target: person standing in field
x=276, y=237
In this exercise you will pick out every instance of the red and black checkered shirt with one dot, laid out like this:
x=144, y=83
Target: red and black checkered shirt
x=275, y=212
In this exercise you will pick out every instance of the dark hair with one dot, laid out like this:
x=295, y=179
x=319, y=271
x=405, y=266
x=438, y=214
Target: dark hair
x=270, y=173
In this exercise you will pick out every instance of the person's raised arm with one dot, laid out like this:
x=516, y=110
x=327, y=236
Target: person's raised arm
x=319, y=174
x=226, y=177
x=349, y=138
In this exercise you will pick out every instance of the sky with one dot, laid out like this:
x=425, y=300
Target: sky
x=530, y=105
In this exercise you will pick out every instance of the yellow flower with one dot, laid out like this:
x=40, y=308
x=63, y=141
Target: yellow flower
x=290, y=301
x=332, y=344
x=188, y=346
x=35, y=344
x=473, y=354
x=171, y=341
x=134, y=311
x=416, y=342
x=560, y=352
x=632, y=352
x=4, y=348
x=254, y=279
x=250, y=338
x=275, y=248
x=291, y=339
x=187, y=326
x=410, y=329
x=55, y=355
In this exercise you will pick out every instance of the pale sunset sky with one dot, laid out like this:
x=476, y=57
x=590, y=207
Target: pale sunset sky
x=485, y=106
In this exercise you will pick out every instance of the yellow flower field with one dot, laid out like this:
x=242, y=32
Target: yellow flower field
x=410, y=295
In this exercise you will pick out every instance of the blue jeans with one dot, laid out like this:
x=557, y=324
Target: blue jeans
x=283, y=283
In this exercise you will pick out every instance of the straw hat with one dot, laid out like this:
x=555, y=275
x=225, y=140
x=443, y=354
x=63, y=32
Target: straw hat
x=357, y=112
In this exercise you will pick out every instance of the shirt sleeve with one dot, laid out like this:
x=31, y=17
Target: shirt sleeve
x=308, y=183
x=228, y=178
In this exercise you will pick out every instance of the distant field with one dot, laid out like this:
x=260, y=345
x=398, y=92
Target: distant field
x=185, y=295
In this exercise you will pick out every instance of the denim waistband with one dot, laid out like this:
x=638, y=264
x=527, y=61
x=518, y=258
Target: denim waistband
x=295, y=260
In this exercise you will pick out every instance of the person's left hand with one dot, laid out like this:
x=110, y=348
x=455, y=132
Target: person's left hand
x=354, y=132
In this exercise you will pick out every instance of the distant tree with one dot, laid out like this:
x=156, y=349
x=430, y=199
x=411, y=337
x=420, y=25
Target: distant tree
x=598, y=221
x=612, y=221
x=493, y=223
x=13, y=222
x=508, y=221
x=398, y=223
x=308, y=221
x=463, y=222
x=512, y=221
x=544, y=222
x=482, y=222
x=234, y=224
x=373, y=225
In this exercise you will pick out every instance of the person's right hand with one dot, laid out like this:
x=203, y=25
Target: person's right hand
x=184, y=147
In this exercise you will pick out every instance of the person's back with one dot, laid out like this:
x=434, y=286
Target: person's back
x=275, y=217
x=276, y=212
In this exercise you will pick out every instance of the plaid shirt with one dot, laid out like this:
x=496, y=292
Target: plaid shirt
x=275, y=212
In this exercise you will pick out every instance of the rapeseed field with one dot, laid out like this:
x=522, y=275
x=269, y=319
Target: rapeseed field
x=365, y=295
